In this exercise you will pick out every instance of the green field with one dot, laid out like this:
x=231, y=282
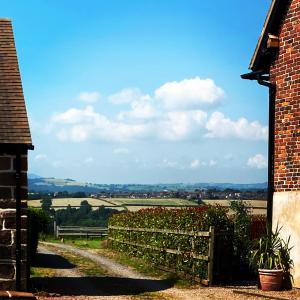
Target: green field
x=150, y=201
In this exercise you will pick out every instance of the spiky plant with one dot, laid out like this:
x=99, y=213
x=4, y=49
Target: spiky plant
x=271, y=252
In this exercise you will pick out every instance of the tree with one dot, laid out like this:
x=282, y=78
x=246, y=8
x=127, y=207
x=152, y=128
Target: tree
x=85, y=207
x=46, y=204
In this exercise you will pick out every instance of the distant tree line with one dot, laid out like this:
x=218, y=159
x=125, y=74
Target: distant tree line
x=82, y=216
x=41, y=195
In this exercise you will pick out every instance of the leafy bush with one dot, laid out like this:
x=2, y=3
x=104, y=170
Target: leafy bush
x=242, y=223
x=38, y=221
x=190, y=219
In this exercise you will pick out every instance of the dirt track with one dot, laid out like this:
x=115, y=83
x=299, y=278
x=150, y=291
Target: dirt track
x=122, y=283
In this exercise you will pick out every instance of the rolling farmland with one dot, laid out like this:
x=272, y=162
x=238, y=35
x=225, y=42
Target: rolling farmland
x=115, y=203
x=258, y=206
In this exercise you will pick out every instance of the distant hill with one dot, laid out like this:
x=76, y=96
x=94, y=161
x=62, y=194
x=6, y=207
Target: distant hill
x=33, y=176
x=40, y=184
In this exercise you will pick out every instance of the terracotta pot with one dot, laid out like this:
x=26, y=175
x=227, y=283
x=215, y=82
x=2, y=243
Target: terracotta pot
x=270, y=280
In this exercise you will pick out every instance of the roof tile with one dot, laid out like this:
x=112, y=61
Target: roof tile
x=14, y=127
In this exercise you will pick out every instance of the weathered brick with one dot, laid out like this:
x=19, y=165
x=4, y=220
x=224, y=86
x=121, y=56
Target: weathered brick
x=5, y=237
x=285, y=73
x=8, y=178
x=5, y=193
x=5, y=163
x=7, y=203
x=10, y=223
x=7, y=284
x=24, y=164
x=5, y=252
x=7, y=271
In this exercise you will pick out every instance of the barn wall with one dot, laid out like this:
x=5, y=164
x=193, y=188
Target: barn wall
x=285, y=73
x=8, y=220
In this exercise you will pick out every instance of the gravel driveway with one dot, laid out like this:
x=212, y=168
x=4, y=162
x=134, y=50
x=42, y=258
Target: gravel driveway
x=122, y=283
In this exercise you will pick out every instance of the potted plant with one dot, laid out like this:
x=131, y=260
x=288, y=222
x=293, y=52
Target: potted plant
x=271, y=257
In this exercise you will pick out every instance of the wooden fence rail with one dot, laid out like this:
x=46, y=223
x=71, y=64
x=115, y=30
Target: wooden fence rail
x=87, y=232
x=210, y=235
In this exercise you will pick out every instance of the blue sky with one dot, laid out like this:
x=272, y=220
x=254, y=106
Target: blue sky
x=142, y=91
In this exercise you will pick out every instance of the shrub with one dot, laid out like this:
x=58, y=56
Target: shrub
x=241, y=239
x=38, y=221
x=189, y=219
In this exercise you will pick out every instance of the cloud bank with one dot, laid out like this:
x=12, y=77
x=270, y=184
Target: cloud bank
x=178, y=110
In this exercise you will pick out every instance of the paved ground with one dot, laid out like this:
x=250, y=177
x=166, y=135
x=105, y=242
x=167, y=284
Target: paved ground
x=122, y=283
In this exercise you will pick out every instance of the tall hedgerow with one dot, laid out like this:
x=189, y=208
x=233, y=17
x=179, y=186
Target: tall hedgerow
x=189, y=219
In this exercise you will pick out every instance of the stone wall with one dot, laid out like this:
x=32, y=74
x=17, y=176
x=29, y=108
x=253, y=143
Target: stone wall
x=285, y=74
x=8, y=220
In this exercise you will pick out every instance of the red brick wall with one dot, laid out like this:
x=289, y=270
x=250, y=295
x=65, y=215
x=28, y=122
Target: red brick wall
x=285, y=72
x=8, y=220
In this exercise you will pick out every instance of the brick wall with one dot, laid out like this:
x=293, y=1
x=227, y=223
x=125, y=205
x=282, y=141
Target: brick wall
x=8, y=220
x=285, y=73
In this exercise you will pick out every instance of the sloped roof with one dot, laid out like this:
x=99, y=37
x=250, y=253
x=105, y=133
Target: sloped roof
x=14, y=127
x=261, y=57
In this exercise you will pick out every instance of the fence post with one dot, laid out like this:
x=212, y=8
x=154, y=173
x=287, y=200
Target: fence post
x=193, y=252
x=57, y=231
x=211, y=254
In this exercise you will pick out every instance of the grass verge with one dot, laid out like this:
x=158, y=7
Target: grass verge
x=41, y=272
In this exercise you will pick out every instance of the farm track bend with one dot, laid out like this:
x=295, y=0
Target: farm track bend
x=119, y=282
x=123, y=283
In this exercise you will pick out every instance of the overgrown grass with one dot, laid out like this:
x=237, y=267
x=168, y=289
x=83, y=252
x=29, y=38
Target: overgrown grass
x=41, y=272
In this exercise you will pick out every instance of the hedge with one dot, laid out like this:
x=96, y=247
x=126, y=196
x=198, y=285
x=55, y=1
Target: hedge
x=38, y=221
x=188, y=219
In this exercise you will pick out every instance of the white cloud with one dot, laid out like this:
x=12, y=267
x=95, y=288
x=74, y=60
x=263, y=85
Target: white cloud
x=179, y=125
x=89, y=97
x=74, y=115
x=189, y=93
x=196, y=163
x=171, y=164
x=121, y=151
x=41, y=157
x=258, y=161
x=57, y=164
x=80, y=125
x=212, y=163
x=142, y=109
x=89, y=160
x=219, y=126
x=146, y=118
x=126, y=96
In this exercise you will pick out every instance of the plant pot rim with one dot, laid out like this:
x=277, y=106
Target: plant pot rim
x=270, y=270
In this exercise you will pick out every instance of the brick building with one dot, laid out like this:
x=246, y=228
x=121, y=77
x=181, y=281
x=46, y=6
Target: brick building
x=15, y=141
x=276, y=64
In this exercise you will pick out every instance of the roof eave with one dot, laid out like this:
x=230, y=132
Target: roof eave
x=262, y=35
x=16, y=147
x=271, y=26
